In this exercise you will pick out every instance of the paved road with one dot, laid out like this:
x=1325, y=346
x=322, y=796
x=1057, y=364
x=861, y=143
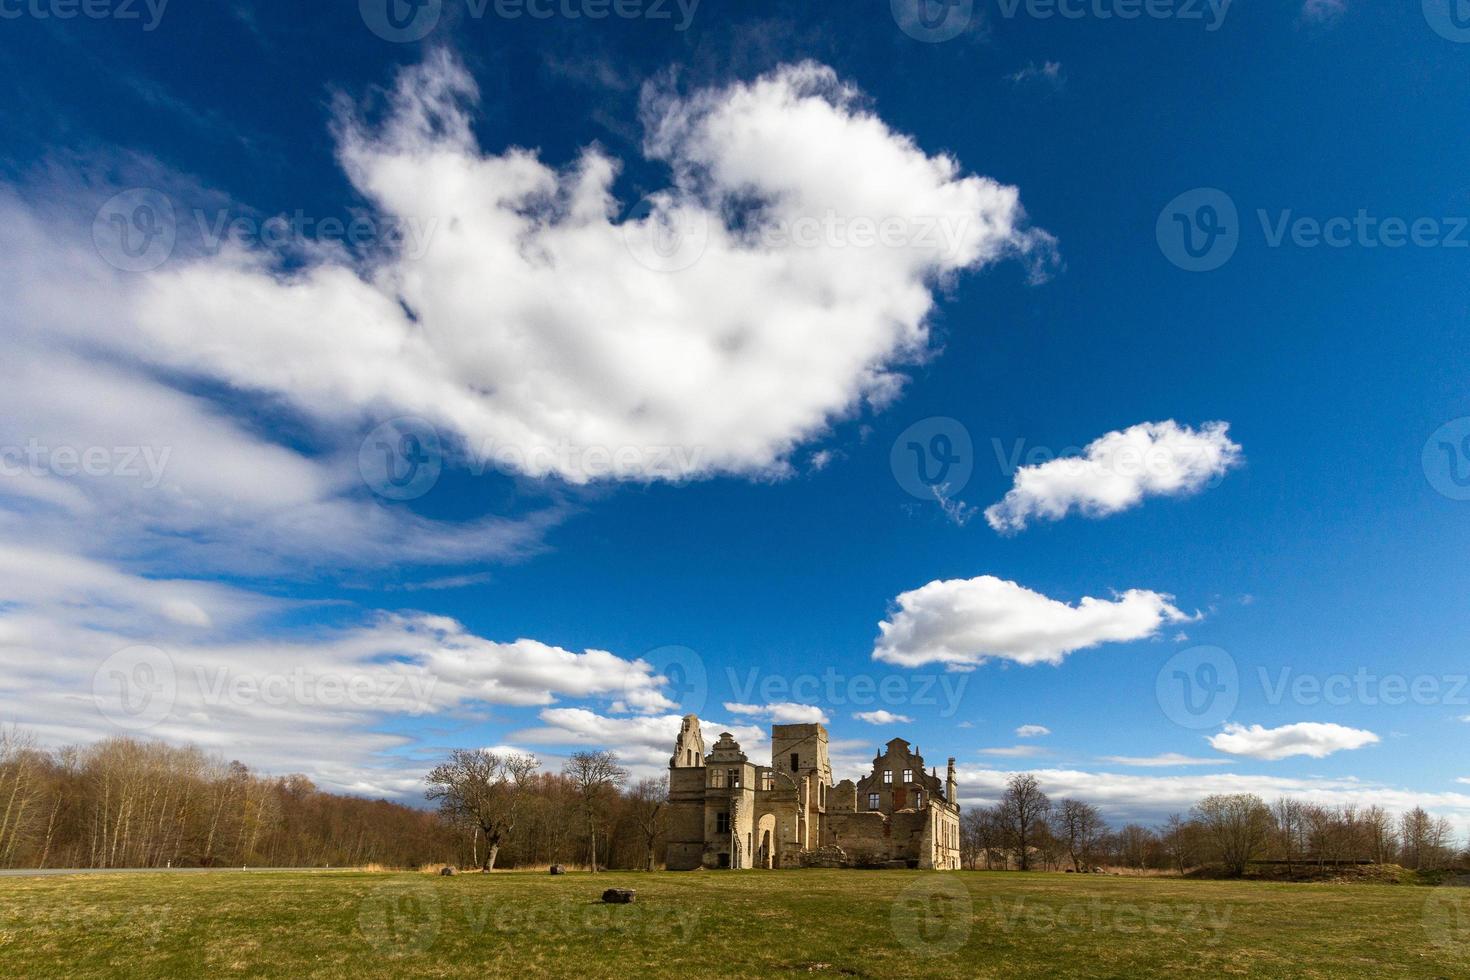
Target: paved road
x=39, y=872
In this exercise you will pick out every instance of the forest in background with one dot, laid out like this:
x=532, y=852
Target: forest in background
x=129, y=803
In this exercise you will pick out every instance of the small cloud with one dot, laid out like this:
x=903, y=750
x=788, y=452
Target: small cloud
x=1032, y=731
x=881, y=717
x=965, y=724
x=781, y=712
x=1117, y=472
x=1014, y=751
x=1313, y=739
x=1164, y=759
x=1464, y=779
x=820, y=460
x=1181, y=637
x=1049, y=74
x=958, y=512
x=1323, y=11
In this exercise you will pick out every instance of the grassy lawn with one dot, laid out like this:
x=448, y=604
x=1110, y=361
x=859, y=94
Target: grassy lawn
x=861, y=923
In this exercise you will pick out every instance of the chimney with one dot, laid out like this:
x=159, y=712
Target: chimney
x=951, y=788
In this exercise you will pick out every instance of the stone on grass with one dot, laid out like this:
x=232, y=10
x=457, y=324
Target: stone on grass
x=448, y=870
x=619, y=896
x=557, y=869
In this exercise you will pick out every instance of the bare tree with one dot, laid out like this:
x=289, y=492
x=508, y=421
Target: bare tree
x=1081, y=825
x=593, y=774
x=1180, y=841
x=648, y=799
x=1237, y=824
x=982, y=835
x=1289, y=829
x=1379, y=835
x=1022, y=808
x=484, y=790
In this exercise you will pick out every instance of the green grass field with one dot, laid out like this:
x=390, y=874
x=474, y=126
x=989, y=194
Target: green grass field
x=876, y=923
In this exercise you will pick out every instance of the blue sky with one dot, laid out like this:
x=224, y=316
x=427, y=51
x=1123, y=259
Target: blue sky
x=768, y=386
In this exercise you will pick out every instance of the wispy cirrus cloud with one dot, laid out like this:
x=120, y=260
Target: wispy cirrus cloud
x=1151, y=798
x=1163, y=760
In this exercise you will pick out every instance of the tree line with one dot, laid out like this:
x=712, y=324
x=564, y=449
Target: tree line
x=1026, y=830
x=130, y=803
x=125, y=802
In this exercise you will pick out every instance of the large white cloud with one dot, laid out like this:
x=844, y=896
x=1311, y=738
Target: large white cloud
x=1117, y=471
x=557, y=339
x=1309, y=738
x=964, y=622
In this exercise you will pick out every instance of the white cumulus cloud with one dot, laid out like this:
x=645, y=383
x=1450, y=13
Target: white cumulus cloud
x=1032, y=731
x=780, y=282
x=1309, y=738
x=781, y=712
x=1116, y=472
x=881, y=717
x=964, y=622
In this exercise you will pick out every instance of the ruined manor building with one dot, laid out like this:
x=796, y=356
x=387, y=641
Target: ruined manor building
x=728, y=812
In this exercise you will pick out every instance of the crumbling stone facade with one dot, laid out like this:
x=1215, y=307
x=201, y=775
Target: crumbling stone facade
x=728, y=812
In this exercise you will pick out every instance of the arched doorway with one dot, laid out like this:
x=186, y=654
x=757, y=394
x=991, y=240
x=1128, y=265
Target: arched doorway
x=766, y=833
